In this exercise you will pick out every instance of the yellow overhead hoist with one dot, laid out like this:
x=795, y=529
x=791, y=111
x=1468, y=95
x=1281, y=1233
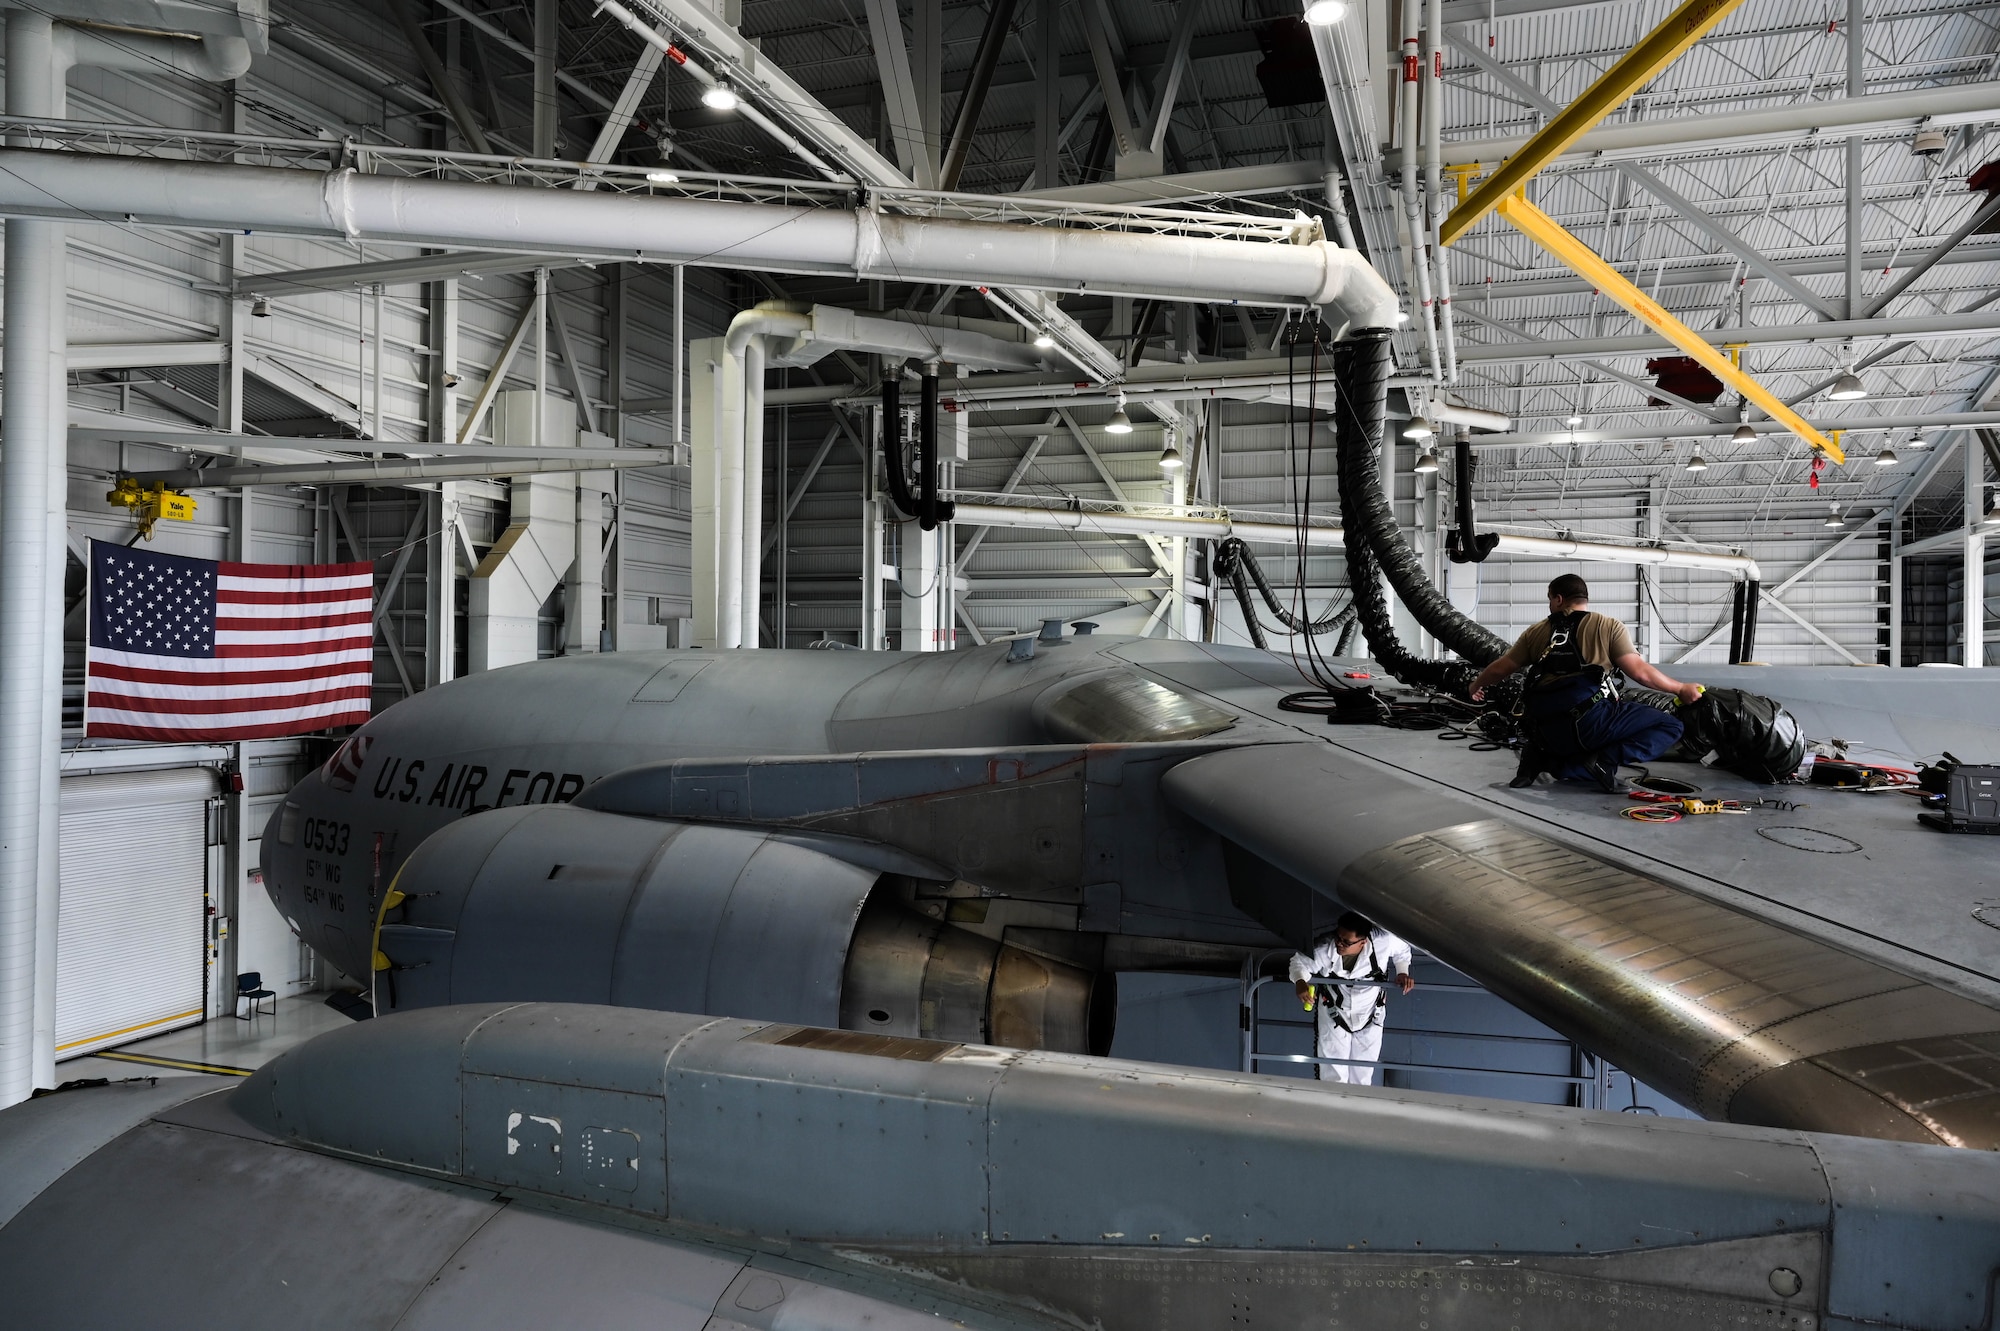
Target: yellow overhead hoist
x=149, y=504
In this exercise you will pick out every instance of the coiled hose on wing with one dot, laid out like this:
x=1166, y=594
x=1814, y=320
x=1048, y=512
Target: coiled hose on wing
x=1375, y=546
x=1234, y=561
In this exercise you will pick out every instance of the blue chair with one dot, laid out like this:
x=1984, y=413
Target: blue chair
x=249, y=985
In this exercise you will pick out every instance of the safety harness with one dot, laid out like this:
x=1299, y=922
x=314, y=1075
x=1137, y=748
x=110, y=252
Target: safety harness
x=1376, y=975
x=1561, y=671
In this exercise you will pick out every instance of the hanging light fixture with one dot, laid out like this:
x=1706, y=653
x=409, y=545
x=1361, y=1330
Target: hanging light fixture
x=1917, y=442
x=1325, y=13
x=1847, y=387
x=1887, y=457
x=1697, y=462
x=1833, y=519
x=1573, y=420
x=1418, y=428
x=1170, y=458
x=1993, y=508
x=720, y=97
x=1045, y=339
x=260, y=308
x=1744, y=435
x=659, y=175
x=1428, y=463
x=1119, y=423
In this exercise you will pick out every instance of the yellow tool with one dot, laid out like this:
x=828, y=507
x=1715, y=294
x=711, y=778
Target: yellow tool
x=1545, y=231
x=150, y=505
x=1634, y=70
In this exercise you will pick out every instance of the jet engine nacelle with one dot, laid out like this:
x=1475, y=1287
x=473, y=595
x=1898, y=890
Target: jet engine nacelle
x=551, y=903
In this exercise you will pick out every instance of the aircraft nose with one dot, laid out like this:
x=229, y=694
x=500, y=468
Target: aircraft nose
x=314, y=867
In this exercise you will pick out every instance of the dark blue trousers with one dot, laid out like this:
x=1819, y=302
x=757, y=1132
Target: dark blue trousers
x=1616, y=731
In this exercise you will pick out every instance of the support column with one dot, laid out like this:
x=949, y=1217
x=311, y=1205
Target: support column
x=753, y=492
x=33, y=412
x=1895, y=542
x=1857, y=86
x=441, y=551
x=708, y=392
x=874, y=633
x=617, y=312
x=927, y=71
x=1973, y=638
x=1048, y=94
x=548, y=28
x=923, y=572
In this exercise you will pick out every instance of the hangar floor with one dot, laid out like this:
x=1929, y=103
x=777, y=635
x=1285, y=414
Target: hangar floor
x=221, y=1047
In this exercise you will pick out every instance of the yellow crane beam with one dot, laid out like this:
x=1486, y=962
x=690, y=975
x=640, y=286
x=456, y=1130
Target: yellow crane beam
x=1634, y=70
x=1545, y=231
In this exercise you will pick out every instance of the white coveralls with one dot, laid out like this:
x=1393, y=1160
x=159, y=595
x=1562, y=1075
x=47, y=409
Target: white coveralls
x=1348, y=1009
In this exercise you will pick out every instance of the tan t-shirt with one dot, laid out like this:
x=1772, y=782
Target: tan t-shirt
x=1600, y=638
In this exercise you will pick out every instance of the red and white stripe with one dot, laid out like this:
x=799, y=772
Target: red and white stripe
x=293, y=654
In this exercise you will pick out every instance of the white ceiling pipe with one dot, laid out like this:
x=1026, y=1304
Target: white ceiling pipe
x=767, y=237
x=830, y=328
x=1220, y=525
x=1469, y=416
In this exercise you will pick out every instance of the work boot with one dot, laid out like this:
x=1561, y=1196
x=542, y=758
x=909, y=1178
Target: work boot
x=1532, y=766
x=1604, y=771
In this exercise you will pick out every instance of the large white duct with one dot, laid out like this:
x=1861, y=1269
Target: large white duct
x=1216, y=525
x=772, y=237
x=535, y=552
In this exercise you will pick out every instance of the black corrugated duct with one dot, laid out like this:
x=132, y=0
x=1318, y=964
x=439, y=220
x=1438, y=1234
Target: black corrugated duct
x=1375, y=545
x=1234, y=561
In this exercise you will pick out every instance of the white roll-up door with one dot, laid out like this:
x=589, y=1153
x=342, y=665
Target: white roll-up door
x=131, y=945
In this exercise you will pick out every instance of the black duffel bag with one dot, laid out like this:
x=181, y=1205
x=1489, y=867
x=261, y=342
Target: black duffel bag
x=1745, y=733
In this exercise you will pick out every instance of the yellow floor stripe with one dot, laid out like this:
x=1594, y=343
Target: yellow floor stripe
x=220, y=1069
x=142, y=1026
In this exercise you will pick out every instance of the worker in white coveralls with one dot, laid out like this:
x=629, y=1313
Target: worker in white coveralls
x=1340, y=983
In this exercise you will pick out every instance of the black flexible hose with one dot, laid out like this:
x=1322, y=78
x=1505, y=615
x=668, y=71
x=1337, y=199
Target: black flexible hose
x=1361, y=371
x=1233, y=560
x=1361, y=366
x=892, y=450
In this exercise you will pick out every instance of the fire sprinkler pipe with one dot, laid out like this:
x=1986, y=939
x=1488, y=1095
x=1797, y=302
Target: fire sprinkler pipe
x=859, y=242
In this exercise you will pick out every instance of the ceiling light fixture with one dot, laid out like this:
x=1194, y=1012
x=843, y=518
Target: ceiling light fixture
x=1428, y=463
x=720, y=97
x=1418, y=428
x=1326, y=13
x=1847, y=387
x=1170, y=459
x=1993, y=508
x=1928, y=143
x=1887, y=457
x=661, y=176
x=260, y=308
x=1744, y=435
x=1045, y=340
x=1833, y=518
x=1697, y=462
x=1119, y=423
x=1573, y=420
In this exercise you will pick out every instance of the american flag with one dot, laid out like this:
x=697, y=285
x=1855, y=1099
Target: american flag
x=195, y=649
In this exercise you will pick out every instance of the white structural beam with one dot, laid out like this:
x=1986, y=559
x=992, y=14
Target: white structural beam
x=1217, y=524
x=1879, y=113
